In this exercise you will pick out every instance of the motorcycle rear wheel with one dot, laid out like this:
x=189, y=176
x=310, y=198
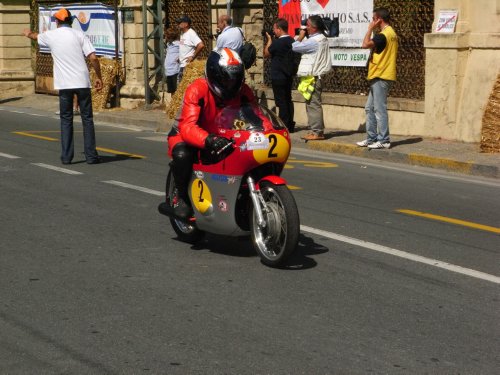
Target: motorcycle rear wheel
x=279, y=238
x=185, y=231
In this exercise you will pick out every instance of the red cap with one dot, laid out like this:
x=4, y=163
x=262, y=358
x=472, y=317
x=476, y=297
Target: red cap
x=62, y=14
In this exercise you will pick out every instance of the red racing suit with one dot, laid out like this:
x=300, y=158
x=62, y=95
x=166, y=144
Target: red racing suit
x=199, y=110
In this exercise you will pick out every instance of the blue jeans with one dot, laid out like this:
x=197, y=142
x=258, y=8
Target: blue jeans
x=377, y=120
x=66, y=115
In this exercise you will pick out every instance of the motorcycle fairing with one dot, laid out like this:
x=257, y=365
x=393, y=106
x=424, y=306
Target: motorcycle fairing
x=214, y=202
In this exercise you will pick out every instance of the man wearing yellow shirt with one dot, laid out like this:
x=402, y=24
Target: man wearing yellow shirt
x=381, y=75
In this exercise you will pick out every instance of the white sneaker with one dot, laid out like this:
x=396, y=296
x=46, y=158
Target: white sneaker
x=379, y=144
x=364, y=143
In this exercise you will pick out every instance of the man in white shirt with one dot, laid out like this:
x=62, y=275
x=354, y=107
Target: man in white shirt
x=71, y=77
x=190, y=43
x=229, y=36
x=314, y=64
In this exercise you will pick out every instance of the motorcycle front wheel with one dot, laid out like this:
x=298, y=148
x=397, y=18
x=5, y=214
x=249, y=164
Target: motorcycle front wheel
x=185, y=231
x=278, y=239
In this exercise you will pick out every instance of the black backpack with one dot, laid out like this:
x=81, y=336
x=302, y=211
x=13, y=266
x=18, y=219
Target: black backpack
x=248, y=53
x=331, y=27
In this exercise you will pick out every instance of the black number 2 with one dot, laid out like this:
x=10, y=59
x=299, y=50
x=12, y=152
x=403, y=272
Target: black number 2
x=200, y=185
x=274, y=142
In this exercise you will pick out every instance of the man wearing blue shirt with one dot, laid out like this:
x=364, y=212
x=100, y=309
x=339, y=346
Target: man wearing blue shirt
x=229, y=36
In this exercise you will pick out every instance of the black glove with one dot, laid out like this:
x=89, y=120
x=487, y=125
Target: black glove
x=215, y=143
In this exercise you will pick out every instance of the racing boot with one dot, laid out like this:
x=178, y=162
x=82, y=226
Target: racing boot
x=181, y=168
x=183, y=208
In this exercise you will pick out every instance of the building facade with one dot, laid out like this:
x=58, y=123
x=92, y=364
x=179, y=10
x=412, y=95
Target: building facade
x=458, y=73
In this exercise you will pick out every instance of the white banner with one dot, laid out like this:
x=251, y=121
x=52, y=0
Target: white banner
x=354, y=17
x=349, y=56
x=96, y=20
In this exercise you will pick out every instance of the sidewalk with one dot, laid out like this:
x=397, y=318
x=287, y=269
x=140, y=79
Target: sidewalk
x=459, y=157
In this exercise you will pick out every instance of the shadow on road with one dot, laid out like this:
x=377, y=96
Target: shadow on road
x=408, y=141
x=231, y=246
x=109, y=159
x=301, y=260
x=242, y=247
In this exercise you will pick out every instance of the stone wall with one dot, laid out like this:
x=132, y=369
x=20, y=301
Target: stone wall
x=461, y=69
x=16, y=73
x=133, y=59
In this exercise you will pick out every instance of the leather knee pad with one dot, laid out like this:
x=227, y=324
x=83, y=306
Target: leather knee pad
x=182, y=165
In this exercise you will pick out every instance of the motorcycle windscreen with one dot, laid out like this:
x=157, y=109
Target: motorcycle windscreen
x=248, y=116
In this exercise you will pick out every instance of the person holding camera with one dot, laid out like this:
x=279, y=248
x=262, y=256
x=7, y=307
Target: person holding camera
x=381, y=75
x=315, y=63
x=279, y=50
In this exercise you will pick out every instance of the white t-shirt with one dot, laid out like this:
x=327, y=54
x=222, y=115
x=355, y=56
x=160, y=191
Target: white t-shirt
x=68, y=48
x=189, y=41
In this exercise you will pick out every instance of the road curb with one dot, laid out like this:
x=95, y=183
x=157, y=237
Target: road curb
x=469, y=168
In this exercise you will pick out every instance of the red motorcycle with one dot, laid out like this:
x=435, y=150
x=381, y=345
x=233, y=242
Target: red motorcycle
x=239, y=191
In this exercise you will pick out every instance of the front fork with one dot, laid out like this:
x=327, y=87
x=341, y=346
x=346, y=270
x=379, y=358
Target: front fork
x=258, y=202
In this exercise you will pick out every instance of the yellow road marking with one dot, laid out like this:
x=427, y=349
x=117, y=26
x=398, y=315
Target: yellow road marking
x=36, y=136
x=313, y=164
x=116, y=152
x=292, y=187
x=451, y=220
x=107, y=150
x=80, y=131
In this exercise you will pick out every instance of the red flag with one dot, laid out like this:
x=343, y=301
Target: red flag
x=290, y=10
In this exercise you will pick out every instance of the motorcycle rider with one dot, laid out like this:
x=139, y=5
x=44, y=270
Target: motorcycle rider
x=195, y=128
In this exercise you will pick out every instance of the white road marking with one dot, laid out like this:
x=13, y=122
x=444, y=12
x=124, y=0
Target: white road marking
x=11, y=110
x=354, y=241
x=135, y=187
x=403, y=254
x=405, y=168
x=155, y=138
x=58, y=169
x=8, y=156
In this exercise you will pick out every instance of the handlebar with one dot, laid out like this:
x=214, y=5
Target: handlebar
x=231, y=143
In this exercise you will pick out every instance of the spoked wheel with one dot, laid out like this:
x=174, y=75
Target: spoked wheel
x=186, y=231
x=278, y=239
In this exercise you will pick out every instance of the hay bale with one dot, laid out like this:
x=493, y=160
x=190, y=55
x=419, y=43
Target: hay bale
x=193, y=71
x=109, y=71
x=490, y=135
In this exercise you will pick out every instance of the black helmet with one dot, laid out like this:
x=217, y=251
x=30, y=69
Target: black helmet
x=225, y=73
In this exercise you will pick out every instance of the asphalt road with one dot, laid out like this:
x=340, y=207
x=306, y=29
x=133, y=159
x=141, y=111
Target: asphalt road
x=93, y=280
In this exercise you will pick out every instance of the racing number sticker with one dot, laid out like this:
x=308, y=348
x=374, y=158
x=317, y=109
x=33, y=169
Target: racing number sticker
x=278, y=150
x=201, y=197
